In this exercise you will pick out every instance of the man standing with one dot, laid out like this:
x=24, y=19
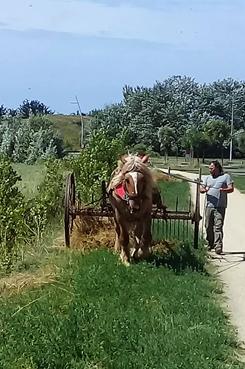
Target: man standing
x=216, y=185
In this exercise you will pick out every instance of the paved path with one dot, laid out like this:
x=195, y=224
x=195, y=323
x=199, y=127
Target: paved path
x=231, y=268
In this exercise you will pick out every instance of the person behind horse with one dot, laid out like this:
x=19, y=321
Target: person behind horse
x=216, y=185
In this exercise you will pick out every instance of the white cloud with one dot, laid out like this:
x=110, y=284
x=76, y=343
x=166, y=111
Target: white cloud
x=180, y=25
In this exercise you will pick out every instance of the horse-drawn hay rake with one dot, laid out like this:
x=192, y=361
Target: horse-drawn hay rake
x=166, y=225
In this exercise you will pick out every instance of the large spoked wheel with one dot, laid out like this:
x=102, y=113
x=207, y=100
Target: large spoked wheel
x=70, y=208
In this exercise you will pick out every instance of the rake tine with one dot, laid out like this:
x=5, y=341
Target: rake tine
x=177, y=203
x=153, y=225
x=158, y=227
x=189, y=204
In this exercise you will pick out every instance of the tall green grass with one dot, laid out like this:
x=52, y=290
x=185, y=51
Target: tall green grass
x=239, y=182
x=100, y=314
x=31, y=178
x=175, y=194
x=69, y=128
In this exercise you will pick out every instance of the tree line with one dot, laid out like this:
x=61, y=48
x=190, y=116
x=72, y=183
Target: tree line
x=26, y=109
x=179, y=116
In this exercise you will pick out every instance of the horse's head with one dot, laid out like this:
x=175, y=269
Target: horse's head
x=133, y=182
x=134, y=185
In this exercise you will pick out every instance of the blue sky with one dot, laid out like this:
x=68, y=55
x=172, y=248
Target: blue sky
x=52, y=50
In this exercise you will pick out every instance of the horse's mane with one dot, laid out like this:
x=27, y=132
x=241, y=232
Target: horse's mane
x=130, y=163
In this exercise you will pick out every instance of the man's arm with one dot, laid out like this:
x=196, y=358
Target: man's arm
x=229, y=185
x=203, y=187
x=228, y=189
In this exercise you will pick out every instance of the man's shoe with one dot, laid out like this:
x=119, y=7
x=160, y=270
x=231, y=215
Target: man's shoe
x=218, y=250
x=209, y=247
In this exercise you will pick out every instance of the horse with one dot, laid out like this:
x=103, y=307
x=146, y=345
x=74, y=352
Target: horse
x=130, y=194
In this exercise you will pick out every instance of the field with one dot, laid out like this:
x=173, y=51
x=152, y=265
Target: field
x=86, y=310
x=69, y=128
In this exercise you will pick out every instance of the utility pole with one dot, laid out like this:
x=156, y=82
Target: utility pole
x=232, y=123
x=82, y=122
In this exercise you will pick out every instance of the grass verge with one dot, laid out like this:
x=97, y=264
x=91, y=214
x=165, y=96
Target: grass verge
x=239, y=182
x=100, y=314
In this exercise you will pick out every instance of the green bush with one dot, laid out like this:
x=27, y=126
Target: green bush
x=95, y=164
x=47, y=204
x=12, y=209
x=26, y=141
x=23, y=222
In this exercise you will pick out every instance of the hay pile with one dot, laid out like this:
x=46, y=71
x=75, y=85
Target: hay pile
x=92, y=233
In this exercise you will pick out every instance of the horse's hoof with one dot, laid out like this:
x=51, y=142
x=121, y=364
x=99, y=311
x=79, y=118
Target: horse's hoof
x=138, y=254
x=141, y=254
x=132, y=252
x=124, y=260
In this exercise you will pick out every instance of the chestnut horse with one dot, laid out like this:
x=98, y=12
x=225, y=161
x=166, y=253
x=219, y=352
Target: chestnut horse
x=130, y=194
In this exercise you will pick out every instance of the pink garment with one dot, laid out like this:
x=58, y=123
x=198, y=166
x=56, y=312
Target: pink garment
x=120, y=191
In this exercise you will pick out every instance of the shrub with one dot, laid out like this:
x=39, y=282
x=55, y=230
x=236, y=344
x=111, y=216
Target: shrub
x=23, y=222
x=95, y=164
x=12, y=209
x=28, y=141
x=48, y=204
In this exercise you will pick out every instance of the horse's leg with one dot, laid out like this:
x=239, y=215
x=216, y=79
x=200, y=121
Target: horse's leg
x=137, y=253
x=124, y=243
x=122, y=236
x=117, y=247
x=114, y=202
x=146, y=236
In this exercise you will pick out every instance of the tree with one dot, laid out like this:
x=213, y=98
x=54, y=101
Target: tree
x=12, y=112
x=96, y=163
x=218, y=132
x=29, y=141
x=3, y=111
x=241, y=142
x=33, y=107
x=167, y=139
x=196, y=140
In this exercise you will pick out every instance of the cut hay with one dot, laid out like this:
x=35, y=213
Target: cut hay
x=164, y=247
x=18, y=282
x=92, y=233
